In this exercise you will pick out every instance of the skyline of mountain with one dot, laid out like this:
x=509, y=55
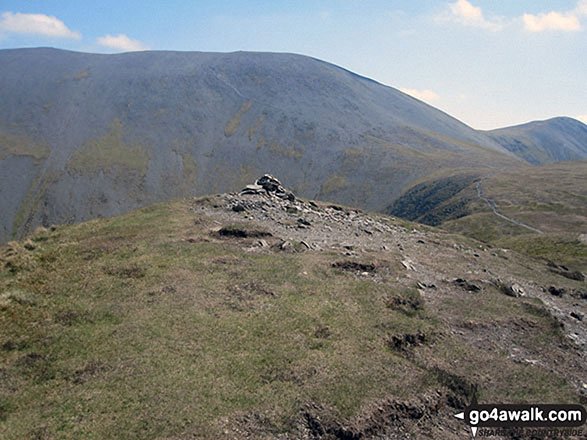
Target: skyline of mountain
x=87, y=135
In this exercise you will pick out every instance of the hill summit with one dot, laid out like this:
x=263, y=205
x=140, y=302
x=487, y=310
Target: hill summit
x=261, y=314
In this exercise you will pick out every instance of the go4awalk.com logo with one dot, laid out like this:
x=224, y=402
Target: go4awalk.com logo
x=495, y=419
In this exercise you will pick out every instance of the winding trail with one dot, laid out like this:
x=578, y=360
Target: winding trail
x=496, y=212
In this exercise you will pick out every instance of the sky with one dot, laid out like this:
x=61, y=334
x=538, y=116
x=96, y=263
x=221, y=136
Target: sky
x=489, y=63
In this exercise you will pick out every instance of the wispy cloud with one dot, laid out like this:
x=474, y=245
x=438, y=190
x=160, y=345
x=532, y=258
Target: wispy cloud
x=121, y=42
x=467, y=14
x=423, y=95
x=37, y=24
x=554, y=20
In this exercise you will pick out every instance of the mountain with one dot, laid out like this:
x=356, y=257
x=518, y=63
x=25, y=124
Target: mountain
x=543, y=142
x=261, y=317
x=89, y=135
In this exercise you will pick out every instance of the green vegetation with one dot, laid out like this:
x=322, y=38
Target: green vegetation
x=353, y=158
x=333, y=184
x=562, y=248
x=255, y=127
x=425, y=202
x=233, y=124
x=148, y=326
x=190, y=174
x=293, y=152
x=20, y=145
x=110, y=154
x=551, y=198
x=82, y=75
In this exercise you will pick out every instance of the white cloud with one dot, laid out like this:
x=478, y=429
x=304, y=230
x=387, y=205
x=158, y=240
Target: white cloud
x=582, y=118
x=423, y=95
x=121, y=42
x=38, y=24
x=553, y=20
x=466, y=14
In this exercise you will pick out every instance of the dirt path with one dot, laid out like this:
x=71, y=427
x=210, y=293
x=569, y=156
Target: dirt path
x=499, y=214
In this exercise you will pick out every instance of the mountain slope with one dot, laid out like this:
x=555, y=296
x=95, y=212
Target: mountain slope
x=278, y=319
x=540, y=211
x=543, y=142
x=87, y=135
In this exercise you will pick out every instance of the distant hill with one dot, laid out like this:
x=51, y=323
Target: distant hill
x=543, y=142
x=88, y=135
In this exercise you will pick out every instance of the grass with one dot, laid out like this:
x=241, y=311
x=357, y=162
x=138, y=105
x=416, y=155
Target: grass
x=255, y=127
x=190, y=170
x=551, y=198
x=234, y=123
x=562, y=248
x=21, y=145
x=110, y=153
x=331, y=185
x=145, y=326
x=293, y=152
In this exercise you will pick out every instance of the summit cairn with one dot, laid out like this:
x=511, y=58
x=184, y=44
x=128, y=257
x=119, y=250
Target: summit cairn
x=268, y=185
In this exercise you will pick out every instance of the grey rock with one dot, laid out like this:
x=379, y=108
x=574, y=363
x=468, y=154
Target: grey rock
x=286, y=245
x=408, y=264
x=518, y=290
x=253, y=189
x=269, y=183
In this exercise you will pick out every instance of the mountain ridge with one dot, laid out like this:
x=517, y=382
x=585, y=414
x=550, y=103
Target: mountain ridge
x=95, y=135
x=547, y=141
x=207, y=123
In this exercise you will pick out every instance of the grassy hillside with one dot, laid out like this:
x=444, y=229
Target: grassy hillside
x=550, y=198
x=159, y=325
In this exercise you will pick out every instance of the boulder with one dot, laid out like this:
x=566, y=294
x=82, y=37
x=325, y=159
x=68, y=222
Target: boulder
x=253, y=189
x=267, y=184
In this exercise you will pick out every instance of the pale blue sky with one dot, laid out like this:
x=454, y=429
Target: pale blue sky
x=490, y=63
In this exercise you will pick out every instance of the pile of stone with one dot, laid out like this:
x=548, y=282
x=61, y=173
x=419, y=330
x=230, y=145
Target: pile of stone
x=268, y=185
